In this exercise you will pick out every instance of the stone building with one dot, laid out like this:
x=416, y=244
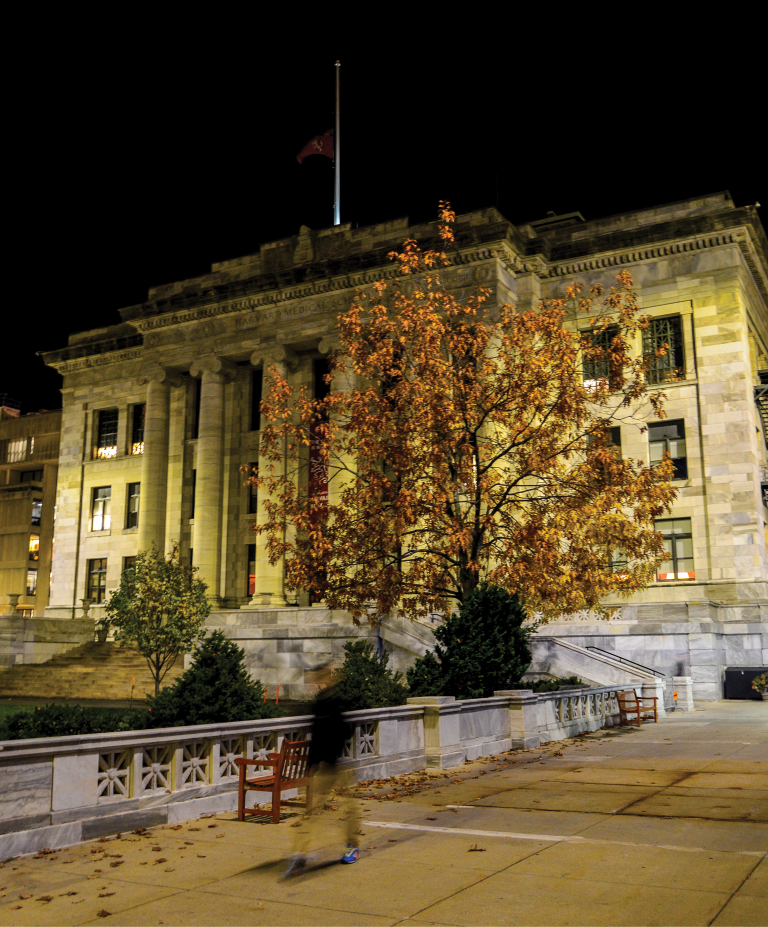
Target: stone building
x=161, y=412
x=29, y=458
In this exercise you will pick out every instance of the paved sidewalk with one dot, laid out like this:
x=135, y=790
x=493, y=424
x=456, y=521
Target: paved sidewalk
x=663, y=825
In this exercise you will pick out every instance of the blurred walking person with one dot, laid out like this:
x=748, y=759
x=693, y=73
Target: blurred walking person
x=329, y=733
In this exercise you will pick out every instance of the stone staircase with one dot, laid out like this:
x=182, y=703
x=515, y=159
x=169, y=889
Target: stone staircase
x=90, y=671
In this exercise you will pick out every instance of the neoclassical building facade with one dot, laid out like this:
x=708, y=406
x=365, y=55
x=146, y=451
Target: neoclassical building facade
x=161, y=412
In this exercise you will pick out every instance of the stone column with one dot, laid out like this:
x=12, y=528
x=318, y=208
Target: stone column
x=339, y=476
x=270, y=577
x=154, y=463
x=214, y=373
x=442, y=736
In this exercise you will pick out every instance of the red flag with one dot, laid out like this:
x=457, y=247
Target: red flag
x=320, y=144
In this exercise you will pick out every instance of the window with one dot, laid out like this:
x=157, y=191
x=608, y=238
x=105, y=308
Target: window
x=17, y=450
x=137, y=429
x=97, y=580
x=320, y=371
x=101, y=519
x=678, y=542
x=669, y=437
x=598, y=366
x=106, y=439
x=34, y=547
x=196, y=391
x=618, y=561
x=251, y=577
x=666, y=334
x=128, y=563
x=194, y=492
x=31, y=476
x=253, y=491
x=31, y=582
x=37, y=511
x=132, y=505
x=256, y=382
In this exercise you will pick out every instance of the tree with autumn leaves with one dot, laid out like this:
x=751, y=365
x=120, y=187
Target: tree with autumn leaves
x=462, y=443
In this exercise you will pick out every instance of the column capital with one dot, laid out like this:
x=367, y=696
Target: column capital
x=156, y=374
x=274, y=354
x=213, y=364
x=329, y=343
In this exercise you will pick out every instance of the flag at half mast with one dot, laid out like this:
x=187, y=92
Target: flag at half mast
x=319, y=145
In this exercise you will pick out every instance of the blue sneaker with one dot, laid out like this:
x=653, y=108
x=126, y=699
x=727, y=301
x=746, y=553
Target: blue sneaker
x=351, y=856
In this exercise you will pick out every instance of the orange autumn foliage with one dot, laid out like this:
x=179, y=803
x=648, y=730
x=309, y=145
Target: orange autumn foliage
x=466, y=446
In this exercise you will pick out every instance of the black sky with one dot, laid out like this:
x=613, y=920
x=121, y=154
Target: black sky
x=144, y=158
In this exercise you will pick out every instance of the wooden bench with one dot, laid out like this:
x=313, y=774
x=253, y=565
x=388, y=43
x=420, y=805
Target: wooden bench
x=630, y=704
x=289, y=771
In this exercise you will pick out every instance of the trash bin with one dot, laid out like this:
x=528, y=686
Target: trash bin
x=738, y=681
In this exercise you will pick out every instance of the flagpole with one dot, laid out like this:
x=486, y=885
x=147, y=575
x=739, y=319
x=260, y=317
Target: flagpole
x=337, y=155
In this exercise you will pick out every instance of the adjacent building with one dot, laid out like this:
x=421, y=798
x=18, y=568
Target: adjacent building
x=29, y=459
x=160, y=413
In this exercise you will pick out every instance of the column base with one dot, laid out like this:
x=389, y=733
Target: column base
x=267, y=600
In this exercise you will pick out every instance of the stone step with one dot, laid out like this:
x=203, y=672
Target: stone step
x=92, y=670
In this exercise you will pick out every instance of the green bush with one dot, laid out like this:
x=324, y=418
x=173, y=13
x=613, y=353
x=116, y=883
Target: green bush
x=217, y=688
x=65, y=720
x=482, y=649
x=365, y=680
x=551, y=685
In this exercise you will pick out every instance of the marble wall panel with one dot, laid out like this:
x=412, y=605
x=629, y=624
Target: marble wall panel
x=74, y=781
x=25, y=788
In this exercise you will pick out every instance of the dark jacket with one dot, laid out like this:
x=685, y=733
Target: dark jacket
x=329, y=729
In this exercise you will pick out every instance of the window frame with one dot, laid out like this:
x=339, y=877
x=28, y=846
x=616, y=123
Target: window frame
x=36, y=519
x=102, y=450
x=100, y=587
x=131, y=516
x=676, y=575
x=681, y=463
x=105, y=513
x=670, y=368
x=592, y=377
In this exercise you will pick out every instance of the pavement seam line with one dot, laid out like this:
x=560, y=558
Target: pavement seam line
x=553, y=838
x=736, y=891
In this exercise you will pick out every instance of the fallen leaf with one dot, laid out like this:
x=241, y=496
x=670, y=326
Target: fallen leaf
x=160, y=859
x=194, y=828
x=144, y=863
x=175, y=827
x=16, y=907
x=45, y=898
x=219, y=836
x=476, y=849
x=24, y=897
x=188, y=843
x=99, y=870
x=117, y=862
x=431, y=819
x=260, y=904
x=68, y=893
x=105, y=894
x=157, y=849
x=201, y=855
x=169, y=870
x=213, y=825
x=103, y=913
x=79, y=901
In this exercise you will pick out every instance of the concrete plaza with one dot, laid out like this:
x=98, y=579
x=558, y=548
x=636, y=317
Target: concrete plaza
x=663, y=825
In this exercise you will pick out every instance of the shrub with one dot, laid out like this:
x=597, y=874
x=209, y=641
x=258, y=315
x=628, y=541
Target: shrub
x=551, y=685
x=482, y=649
x=217, y=688
x=365, y=680
x=65, y=720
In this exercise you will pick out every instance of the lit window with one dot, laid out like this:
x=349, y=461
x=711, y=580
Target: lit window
x=669, y=437
x=97, y=580
x=106, y=441
x=667, y=335
x=137, y=429
x=34, y=547
x=37, y=511
x=132, y=507
x=31, y=582
x=101, y=519
x=17, y=450
x=678, y=543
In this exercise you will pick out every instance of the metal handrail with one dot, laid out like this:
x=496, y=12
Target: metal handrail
x=615, y=656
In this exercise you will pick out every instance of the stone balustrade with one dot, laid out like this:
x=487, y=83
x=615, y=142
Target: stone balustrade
x=57, y=791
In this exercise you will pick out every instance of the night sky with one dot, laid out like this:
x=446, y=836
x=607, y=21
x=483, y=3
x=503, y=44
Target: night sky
x=175, y=146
